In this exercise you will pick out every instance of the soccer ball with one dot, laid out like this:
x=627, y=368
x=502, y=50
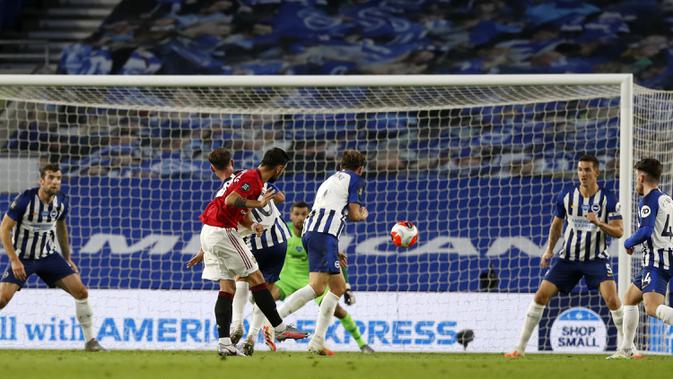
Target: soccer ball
x=404, y=234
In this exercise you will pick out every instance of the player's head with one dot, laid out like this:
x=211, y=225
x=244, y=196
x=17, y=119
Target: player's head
x=275, y=161
x=50, y=178
x=353, y=160
x=587, y=170
x=648, y=172
x=298, y=213
x=220, y=162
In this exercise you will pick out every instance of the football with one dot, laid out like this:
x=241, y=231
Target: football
x=404, y=234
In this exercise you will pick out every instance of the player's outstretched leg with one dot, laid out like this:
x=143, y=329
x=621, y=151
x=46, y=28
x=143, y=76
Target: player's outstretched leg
x=352, y=328
x=267, y=305
x=533, y=316
x=260, y=322
x=297, y=300
x=74, y=286
x=238, y=306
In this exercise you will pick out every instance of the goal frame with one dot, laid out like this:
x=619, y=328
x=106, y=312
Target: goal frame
x=625, y=82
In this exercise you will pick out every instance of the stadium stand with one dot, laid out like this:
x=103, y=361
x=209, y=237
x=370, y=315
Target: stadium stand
x=379, y=37
x=33, y=32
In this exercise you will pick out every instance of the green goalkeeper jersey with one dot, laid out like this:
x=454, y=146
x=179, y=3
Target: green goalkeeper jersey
x=295, y=268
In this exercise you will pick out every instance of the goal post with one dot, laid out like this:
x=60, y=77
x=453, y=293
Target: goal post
x=626, y=189
x=475, y=161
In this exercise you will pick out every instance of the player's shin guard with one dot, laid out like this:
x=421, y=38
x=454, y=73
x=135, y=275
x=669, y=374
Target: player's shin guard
x=618, y=319
x=327, y=307
x=223, y=314
x=296, y=301
x=665, y=314
x=85, y=317
x=267, y=304
x=630, y=325
x=533, y=316
x=352, y=328
x=238, y=305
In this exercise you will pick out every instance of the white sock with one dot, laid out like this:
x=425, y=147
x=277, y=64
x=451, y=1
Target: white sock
x=665, y=314
x=280, y=328
x=224, y=341
x=85, y=317
x=618, y=319
x=533, y=316
x=296, y=301
x=238, y=304
x=631, y=316
x=327, y=307
x=256, y=324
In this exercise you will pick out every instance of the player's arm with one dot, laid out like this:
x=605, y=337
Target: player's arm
x=555, y=231
x=648, y=216
x=196, y=259
x=613, y=228
x=234, y=199
x=248, y=223
x=62, y=235
x=5, y=229
x=279, y=197
x=356, y=212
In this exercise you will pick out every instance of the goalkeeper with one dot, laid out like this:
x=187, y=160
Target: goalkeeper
x=294, y=276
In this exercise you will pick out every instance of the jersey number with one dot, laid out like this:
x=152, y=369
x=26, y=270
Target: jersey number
x=667, y=232
x=647, y=279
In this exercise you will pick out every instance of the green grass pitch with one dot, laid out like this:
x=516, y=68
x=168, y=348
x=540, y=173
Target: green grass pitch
x=54, y=364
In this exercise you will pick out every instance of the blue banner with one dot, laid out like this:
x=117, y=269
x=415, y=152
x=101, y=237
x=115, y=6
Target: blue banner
x=139, y=233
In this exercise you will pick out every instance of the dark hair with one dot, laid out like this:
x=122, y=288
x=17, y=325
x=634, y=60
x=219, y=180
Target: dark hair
x=651, y=167
x=220, y=158
x=300, y=204
x=352, y=160
x=53, y=167
x=275, y=157
x=590, y=158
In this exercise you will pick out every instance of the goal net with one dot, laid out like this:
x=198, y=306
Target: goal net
x=475, y=165
x=653, y=138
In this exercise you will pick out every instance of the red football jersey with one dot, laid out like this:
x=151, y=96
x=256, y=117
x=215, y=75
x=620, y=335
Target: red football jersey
x=248, y=184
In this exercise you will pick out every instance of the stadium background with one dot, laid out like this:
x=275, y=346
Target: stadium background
x=323, y=37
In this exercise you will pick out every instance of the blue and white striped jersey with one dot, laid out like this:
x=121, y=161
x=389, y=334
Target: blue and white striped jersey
x=330, y=207
x=35, y=232
x=655, y=230
x=584, y=241
x=275, y=229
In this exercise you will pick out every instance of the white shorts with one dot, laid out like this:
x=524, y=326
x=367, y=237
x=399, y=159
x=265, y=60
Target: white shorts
x=225, y=254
